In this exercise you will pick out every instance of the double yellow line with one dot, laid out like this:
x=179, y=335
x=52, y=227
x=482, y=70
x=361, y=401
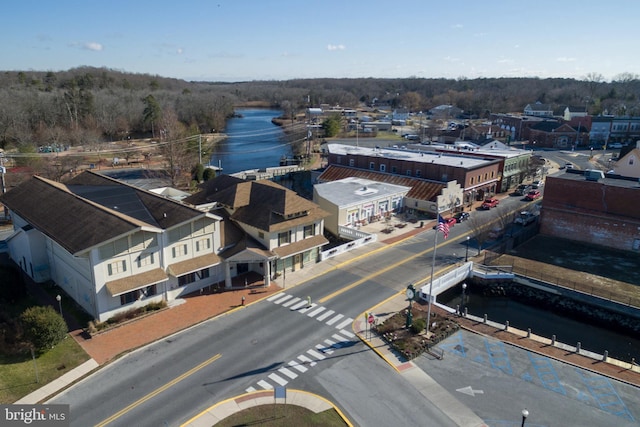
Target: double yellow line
x=158, y=391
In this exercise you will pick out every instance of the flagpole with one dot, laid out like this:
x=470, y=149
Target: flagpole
x=433, y=264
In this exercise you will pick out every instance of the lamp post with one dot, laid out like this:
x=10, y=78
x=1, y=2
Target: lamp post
x=59, y=299
x=464, y=288
x=525, y=414
x=466, y=255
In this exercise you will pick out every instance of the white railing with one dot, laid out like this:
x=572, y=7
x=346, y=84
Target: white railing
x=360, y=239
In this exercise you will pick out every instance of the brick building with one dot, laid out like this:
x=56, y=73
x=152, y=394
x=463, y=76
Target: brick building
x=604, y=212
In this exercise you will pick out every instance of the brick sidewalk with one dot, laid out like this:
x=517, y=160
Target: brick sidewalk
x=108, y=345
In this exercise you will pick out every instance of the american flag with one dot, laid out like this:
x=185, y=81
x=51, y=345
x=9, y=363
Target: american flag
x=443, y=226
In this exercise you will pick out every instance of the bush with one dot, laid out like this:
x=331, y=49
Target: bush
x=43, y=327
x=418, y=325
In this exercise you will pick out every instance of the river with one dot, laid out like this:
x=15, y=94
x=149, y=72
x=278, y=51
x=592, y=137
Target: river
x=253, y=142
x=546, y=323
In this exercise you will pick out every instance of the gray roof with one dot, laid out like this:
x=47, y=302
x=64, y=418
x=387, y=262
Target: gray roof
x=354, y=191
x=408, y=155
x=90, y=209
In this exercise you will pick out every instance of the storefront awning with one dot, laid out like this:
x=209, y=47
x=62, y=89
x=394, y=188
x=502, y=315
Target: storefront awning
x=189, y=266
x=137, y=281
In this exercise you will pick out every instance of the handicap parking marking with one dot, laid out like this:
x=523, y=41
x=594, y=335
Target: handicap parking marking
x=546, y=373
x=498, y=356
x=604, y=394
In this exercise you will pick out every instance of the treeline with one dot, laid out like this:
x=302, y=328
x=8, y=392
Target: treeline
x=89, y=106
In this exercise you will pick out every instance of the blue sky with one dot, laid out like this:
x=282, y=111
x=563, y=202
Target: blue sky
x=239, y=40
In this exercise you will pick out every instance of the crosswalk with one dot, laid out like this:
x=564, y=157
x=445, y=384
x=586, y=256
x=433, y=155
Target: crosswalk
x=303, y=362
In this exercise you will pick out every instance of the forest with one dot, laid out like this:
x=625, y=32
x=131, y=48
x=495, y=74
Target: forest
x=89, y=106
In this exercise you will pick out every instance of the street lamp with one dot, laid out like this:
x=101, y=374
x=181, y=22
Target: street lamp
x=464, y=288
x=59, y=299
x=466, y=255
x=525, y=414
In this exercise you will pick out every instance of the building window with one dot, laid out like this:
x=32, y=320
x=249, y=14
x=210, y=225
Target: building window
x=261, y=235
x=186, y=279
x=372, y=165
x=116, y=267
x=383, y=168
x=418, y=173
x=394, y=169
x=352, y=162
x=284, y=238
x=309, y=230
x=134, y=296
x=146, y=259
x=408, y=172
x=179, y=250
x=203, y=245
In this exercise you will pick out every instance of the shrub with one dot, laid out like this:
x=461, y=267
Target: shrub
x=43, y=327
x=418, y=325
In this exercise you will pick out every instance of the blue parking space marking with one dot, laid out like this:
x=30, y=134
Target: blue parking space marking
x=498, y=356
x=605, y=394
x=546, y=373
x=527, y=377
x=455, y=345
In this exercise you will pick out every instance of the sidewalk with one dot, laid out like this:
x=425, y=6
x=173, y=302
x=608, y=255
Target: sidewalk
x=193, y=309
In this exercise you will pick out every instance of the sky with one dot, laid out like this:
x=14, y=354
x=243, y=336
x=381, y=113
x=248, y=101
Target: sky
x=244, y=40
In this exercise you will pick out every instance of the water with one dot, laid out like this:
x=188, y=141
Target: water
x=546, y=323
x=253, y=142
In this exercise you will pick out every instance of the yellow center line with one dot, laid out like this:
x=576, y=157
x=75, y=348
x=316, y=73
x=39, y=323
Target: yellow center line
x=158, y=391
x=377, y=273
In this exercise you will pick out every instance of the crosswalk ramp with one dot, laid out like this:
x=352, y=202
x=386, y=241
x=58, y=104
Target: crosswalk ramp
x=312, y=356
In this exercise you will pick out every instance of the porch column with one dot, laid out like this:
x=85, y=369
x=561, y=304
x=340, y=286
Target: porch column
x=227, y=275
x=267, y=274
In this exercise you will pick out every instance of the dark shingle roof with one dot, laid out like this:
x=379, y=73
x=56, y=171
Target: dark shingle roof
x=90, y=209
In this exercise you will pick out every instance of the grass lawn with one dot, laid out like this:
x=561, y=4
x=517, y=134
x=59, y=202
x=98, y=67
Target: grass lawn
x=18, y=373
x=282, y=415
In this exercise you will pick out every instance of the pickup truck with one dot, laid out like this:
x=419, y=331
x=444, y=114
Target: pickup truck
x=490, y=203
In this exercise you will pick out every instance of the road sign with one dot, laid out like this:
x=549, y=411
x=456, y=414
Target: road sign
x=370, y=319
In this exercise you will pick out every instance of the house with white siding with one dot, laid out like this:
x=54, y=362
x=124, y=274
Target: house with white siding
x=111, y=246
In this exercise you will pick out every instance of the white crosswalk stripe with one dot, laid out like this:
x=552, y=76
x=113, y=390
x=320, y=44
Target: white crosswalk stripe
x=305, y=359
x=302, y=303
x=265, y=385
x=335, y=319
x=277, y=378
x=288, y=372
x=298, y=366
x=275, y=297
x=344, y=323
x=315, y=354
x=284, y=298
x=325, y=315
x=347, y=333
x=325, y=349
x=304, y=310
x=250, y=389
x=320, y=309
x=291, y=301
x=340, y=338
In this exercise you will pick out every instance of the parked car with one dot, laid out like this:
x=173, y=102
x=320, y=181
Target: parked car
x=533, y=195
x=450, y=221
x=536, y=184
x=525, y=218
x=522, y=189
x=615, y=145
x=461, y=216
x=490, y=203
x=569, y=165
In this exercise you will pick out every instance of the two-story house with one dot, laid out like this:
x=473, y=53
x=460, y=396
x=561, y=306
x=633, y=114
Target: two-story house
x=281, y=230
x=111, y=246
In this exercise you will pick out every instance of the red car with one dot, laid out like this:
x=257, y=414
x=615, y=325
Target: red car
x=490, y=203
x=532, y=195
